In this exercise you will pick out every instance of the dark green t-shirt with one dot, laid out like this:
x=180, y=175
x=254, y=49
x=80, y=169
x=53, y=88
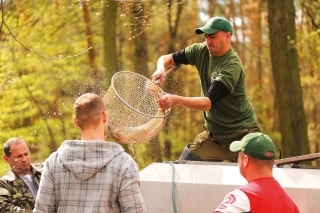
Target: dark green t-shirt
x=235, y=111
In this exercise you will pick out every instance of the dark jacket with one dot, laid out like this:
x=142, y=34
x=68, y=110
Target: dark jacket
x=15, y=195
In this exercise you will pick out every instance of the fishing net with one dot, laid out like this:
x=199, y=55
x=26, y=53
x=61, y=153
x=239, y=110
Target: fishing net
x=133, y=114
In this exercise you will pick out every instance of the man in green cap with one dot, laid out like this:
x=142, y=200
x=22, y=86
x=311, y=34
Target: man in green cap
x=262, y=194
x=227, y=111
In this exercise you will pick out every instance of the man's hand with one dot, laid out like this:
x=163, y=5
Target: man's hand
x=166, y=101
x=159, y=76
x=164, y=67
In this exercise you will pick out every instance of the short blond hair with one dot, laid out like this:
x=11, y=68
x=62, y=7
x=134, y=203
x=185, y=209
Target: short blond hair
x=88, y=110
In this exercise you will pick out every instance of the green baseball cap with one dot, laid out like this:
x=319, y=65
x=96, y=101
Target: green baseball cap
x=255, y=144
x=214, y=25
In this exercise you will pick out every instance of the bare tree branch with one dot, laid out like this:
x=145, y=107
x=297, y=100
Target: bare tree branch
x=3, y=23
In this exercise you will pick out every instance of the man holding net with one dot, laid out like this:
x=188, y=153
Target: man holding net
x=227, y=110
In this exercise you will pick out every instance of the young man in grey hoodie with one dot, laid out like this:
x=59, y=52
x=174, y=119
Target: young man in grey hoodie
x=90, y=175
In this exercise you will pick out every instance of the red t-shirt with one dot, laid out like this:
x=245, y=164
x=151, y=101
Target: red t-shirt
x=263, y=195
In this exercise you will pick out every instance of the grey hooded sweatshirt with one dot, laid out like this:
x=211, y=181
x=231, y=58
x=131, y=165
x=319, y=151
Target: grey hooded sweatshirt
x=90, y=177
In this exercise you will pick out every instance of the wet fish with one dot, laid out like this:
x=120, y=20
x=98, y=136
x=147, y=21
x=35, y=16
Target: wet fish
x=138, y=134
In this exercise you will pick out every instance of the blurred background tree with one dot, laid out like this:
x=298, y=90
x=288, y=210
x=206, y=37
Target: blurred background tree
x=53, y=51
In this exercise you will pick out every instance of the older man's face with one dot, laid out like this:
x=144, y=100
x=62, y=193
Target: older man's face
x=19, y=159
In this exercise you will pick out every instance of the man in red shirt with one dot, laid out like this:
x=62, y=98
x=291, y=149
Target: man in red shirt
x=262, y=194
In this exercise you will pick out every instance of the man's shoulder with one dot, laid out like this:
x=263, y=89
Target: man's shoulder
x=197, y=52
x=38, y=167
x=9, y=176
x=197, y=47
x=233, y=56
x=259, y=181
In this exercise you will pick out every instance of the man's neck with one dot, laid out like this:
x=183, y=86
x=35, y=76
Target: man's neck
x=258, y=174
x=92, y=135
x=23, y=173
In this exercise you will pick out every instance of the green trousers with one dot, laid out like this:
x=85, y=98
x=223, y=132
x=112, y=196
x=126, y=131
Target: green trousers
x=211, y=147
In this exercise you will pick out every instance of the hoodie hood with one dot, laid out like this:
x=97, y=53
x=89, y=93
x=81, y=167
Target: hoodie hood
x=85, y=158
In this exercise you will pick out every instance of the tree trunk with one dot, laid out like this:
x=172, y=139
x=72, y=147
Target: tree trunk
x=284, y=60
x=109, y=28
x=88, y=32
x=140, y=56
x=140, y=59
x=173, y=28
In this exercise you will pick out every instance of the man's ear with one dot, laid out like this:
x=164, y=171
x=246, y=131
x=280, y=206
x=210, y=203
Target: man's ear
x=229, y=35
x=5, y=158
x=245, y=160
x=104, y=117
x=75, y=121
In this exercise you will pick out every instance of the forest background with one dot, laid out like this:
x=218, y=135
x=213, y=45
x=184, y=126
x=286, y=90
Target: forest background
x=54, y=51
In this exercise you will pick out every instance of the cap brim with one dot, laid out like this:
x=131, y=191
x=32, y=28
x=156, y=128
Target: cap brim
x=236, y=146
x=206, y=30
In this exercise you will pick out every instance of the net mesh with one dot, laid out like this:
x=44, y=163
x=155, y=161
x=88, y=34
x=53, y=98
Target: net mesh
x=134, y=115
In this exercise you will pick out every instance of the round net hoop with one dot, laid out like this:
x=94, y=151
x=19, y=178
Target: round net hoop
x=133, y=114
